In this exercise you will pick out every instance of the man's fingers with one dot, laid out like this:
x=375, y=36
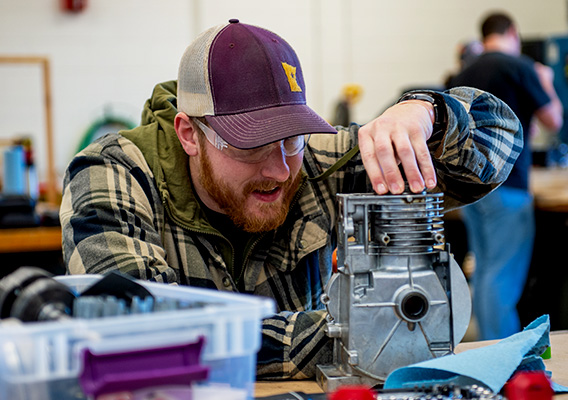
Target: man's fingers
x=424, y=159
x=418, y=167
x=369, y=157
x=381, y=163
x=389, y=160
x=398, y=137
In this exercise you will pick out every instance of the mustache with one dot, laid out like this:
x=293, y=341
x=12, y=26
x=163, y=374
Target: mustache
x=265, y=186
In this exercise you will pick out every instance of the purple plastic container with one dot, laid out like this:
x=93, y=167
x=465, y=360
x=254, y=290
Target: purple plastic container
x=133, y=370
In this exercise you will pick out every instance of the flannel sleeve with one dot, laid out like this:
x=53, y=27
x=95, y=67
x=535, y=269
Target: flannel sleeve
x=305, y=345
x=479, y=147
x=108, y=214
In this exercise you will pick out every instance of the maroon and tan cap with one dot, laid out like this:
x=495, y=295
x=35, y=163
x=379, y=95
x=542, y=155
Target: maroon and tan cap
x=247, y=82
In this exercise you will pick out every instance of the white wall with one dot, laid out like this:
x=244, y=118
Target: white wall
x=112, y=53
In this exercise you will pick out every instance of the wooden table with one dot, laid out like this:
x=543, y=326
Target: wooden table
x=550, y=188
x=557, y=364
x=23, y=240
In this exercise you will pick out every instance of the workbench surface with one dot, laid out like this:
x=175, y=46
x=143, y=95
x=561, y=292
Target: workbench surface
x=557, y=364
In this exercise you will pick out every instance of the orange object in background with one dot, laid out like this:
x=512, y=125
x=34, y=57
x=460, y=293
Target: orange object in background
x=334, y=261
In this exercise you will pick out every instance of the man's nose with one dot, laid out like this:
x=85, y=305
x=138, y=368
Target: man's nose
x=275, y=166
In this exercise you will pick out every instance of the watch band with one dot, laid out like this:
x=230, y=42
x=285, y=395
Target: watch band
x=437, y=101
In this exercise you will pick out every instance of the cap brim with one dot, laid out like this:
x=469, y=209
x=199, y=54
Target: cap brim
x=260, y=127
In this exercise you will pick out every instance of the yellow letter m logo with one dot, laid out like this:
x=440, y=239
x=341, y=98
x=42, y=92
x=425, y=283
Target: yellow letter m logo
x=291, y=75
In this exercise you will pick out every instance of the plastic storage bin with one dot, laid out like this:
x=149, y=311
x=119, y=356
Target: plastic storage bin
x=43, y=360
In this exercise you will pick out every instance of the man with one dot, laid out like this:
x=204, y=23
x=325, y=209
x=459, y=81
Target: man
x=501, y=226
x=220, y=187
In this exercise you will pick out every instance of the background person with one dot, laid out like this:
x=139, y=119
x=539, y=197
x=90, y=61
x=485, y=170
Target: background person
x=500, y=227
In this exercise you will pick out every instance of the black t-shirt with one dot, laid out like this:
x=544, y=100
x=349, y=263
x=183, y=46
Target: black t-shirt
x=513, y=80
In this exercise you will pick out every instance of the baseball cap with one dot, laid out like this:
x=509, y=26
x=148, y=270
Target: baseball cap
x=248, y=84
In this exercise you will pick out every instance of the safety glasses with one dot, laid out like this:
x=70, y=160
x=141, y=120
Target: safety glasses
x=290, y=146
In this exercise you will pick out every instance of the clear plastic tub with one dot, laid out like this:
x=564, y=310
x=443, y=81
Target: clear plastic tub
x=43, y=360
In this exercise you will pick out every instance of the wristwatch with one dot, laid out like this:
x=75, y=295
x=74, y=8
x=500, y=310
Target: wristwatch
x=437, y=101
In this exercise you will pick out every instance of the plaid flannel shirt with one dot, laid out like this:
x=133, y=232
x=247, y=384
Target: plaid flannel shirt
x=127, y=205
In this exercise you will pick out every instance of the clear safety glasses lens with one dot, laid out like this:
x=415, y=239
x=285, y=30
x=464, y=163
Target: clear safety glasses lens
x=290, y=146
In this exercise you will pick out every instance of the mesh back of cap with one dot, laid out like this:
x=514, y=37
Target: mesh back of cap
x=194, y=92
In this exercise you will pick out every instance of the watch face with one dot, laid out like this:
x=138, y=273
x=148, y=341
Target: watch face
x=421, y=96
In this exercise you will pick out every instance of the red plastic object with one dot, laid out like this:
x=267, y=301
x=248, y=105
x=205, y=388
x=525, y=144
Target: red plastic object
x=529, y=385
x=354, y=392
x=73, y=5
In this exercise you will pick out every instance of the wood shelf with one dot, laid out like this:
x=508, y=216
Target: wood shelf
x=20, y=240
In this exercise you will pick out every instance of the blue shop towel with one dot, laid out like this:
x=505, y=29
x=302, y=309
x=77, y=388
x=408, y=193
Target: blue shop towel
x=490, y=366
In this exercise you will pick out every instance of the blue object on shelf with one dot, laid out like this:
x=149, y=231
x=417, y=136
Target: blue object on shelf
x=14, y=181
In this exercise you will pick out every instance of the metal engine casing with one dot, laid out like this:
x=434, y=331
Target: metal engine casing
x=398, y=296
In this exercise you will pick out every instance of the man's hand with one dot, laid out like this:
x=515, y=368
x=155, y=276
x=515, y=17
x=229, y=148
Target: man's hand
x=545, y=76
x=399, y=135
x=551, y=115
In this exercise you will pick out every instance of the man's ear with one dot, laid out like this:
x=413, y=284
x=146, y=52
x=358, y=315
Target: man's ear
x=187, y=133
x=512, y=32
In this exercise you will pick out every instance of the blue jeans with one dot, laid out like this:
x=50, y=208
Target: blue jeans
x=501, y=230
